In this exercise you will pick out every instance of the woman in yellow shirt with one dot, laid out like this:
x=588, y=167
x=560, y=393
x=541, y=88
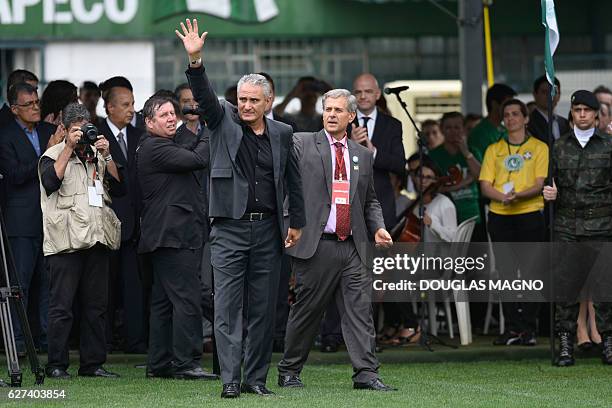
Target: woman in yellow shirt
x=512, y=176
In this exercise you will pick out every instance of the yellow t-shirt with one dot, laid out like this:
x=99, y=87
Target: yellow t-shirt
x=520, y=164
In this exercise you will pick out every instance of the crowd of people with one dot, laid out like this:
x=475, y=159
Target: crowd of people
x=122, y=231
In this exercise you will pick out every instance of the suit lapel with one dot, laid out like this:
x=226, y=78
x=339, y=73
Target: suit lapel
x=322, y=145
x=379, y=128
x=353, y=168
x=132, y=140
x=276, y=148
x=23, y=140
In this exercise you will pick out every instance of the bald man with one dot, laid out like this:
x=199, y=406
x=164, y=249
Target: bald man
x=382, y=134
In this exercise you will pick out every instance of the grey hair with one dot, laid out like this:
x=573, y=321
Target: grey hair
x=256, y=80
x=351, y=101
x=73, y=113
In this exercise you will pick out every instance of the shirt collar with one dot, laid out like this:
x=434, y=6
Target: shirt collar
x=372, y=116
x=331, y=140
x=270, y=115
x=115, y=129
x=24, y=127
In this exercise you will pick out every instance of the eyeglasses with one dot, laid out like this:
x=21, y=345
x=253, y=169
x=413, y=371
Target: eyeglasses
x=28, y=104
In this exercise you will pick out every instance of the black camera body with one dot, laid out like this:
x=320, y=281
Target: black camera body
x=90, y=134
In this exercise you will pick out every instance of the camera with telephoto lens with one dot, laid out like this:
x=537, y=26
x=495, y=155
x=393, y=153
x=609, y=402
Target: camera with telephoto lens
x=90, y=134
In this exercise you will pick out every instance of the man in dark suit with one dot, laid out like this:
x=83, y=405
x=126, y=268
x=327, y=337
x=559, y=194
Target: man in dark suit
x=538, y=120
x=22, y=141
x=382, y=135
x=172, y=226
x=330, y=259
x=251, y=169
x=125, y=290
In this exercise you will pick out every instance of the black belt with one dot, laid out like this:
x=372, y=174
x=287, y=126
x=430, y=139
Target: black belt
x=256, y=216
x=334, y=237
x=585, y=213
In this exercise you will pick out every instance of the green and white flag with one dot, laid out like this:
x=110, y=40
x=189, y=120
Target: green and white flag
x=242, y=11
x=549, y=20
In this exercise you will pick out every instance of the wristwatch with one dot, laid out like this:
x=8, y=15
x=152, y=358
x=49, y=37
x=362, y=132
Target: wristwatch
x=196, y=61
x=108, y=158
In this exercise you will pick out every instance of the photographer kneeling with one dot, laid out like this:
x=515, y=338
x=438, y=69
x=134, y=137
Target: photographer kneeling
x=77, y=177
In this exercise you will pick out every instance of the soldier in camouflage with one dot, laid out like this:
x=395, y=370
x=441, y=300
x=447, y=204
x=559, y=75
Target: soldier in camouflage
x=582, y=169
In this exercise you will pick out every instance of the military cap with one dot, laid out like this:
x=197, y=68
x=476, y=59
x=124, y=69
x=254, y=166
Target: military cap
x=583, y=97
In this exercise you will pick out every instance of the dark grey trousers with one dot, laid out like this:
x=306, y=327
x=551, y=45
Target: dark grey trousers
x=335, y=272
x=245, y=255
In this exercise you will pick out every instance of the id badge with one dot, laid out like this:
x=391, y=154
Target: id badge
x=508, y=187
x=95, y=199
x=340, y=192
x=99, y=187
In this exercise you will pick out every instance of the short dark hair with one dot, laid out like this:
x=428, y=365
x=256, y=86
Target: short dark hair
x=90, y=86
x=429, y=122
x=450, y=115
x=540, y=80
x=602, y=89
x=269, y=79
x=56, y=96
x=153, y=104
x=471, y=116
x=19, y=76
x=74, y=112
x=517, y=102
x=497, y=93
x=179, y=89
x=427, y=162
x=16, y=89
x=166, y=93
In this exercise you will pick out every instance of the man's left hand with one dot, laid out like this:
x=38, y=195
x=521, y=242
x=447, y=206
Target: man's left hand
x=359, y=135
x=102, y=146
x=382, y=238
x=293, y=236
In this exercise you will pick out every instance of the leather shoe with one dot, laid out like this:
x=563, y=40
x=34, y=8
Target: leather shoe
x=57, y=373
x=231, y=390
x=164, y=373
x=99, y=372
x=255, y=389
x=374, y=385
x=290, y=381
x=194, y=374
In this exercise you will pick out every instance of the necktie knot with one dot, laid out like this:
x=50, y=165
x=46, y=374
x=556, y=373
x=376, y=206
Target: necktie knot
x=366, y=119
x=338, y=145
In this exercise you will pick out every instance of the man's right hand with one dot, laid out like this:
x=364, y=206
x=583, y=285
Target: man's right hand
x=73, y=137
x=192, y=41
x=550, y=192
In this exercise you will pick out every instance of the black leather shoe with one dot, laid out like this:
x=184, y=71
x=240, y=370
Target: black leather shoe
x=565, y=358
x=374, y=385
x=195, y=374
x=290, y=381
x=57, y=373
x=159, y=374
x=606, y=356
x=255, y=389
x=231, y=390
x=99, y=372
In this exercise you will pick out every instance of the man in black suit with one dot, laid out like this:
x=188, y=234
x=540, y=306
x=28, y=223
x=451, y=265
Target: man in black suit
x=172, y=225
x=251, y=171
x=125, y=287
x=382, y=135
x=22, y=142
x=330, y=259
x=538, y=120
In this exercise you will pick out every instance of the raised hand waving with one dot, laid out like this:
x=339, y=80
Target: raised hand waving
x=192, y=41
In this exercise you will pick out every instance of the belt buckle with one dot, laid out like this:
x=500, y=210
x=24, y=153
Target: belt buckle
x=257, y=217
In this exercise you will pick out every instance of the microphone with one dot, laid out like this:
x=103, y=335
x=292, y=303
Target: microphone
x=396, y=89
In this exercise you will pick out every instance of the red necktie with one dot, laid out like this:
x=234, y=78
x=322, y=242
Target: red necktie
x=343, y=211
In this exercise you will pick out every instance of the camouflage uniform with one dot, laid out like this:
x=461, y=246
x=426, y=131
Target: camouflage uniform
x=583, y=209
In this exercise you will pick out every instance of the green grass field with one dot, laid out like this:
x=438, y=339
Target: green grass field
x=476, y=376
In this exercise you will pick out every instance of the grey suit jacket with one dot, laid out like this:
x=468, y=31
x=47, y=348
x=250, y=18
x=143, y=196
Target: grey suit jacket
x=314, y=154
x=228, y=186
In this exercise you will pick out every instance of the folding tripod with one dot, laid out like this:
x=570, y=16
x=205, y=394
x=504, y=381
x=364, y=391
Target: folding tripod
x=12, y=295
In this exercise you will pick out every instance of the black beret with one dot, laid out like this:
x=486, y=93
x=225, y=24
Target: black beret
x=583, y=97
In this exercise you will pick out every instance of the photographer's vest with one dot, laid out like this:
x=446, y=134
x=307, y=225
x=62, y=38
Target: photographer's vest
x=69, y=222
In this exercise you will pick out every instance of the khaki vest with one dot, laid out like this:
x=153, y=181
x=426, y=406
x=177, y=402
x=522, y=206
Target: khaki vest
x=69, y=222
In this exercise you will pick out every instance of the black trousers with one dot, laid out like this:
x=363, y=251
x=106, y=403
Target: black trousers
x=126, y=294
x=245, y=256
x=282, y=301
x=529, y=227
x=84, y=275
x=175, y=338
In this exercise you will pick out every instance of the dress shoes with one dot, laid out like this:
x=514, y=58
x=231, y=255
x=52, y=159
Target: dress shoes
x=98, y=372
x=290, y=381
x=57, y=373
x=163, y=373
x=255, y=389
x=374, y=385
x=194, y=374
x=230, y=390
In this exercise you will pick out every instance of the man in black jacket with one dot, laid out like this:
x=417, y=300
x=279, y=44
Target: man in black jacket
x=22, y=141
x=252, y=169
x=172, y=235
x=538, y=120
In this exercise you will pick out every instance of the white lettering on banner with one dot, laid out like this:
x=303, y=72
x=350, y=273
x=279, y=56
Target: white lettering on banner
x=67, y=11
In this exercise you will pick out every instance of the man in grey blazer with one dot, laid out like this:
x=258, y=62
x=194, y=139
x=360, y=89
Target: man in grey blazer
x=252, y=169
x=343, y=215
